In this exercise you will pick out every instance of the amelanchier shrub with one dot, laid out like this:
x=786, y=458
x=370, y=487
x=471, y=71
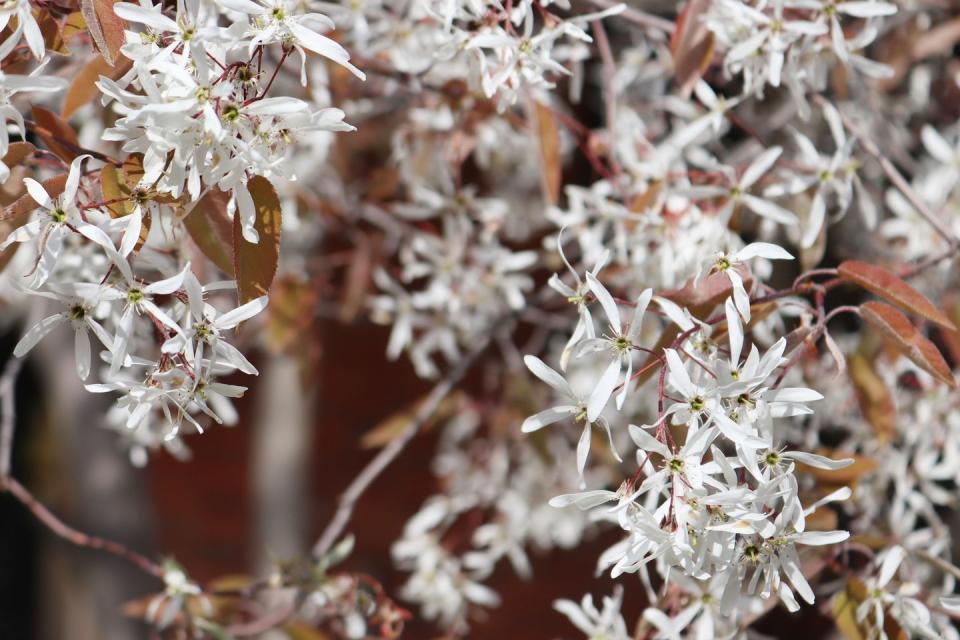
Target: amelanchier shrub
x=743, y=361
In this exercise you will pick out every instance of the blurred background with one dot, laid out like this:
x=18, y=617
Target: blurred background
x=263, y=489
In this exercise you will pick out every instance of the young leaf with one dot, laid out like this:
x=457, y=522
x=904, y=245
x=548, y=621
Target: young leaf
x=113, y=189
x=105, y=26
x=548, y=137
x=56, y=134
x=255, y=265
x=897, y=328
x=83, y=89
x=17, y=153
x=74, y=25
x=874, y=396
x=881, y=282
x=211, y=229
x=290, y=314
x=845, y=606
x=951, y=339
x=691, y=45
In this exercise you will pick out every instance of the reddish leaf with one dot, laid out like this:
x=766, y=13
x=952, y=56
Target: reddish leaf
x=897, y=328
x=255, y=265
x=290, y=314
x=873, y=395
x=56, y=134
x=881, y=282
x=951, y=306
x=548, y=138
x=51, y=32
x=212, y=231
x=73, y=26
x=25, y=204
x=83, y=89
x=105, y=26
x=798, y=337
x=703, y=296
x=17, y=153
x=112, y=188
x=691, y=45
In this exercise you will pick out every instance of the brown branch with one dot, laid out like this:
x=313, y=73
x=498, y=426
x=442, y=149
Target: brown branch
x=938, y=562
x=9, y=484
x=8, y=416
x=261, y=625
x=895, y=176
x=389, y=453
x=609, y=88
x=78, y=538
x=636, y=16
x=75, y=148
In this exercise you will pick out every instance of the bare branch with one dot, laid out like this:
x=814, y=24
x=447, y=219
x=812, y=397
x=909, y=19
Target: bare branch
x=895, y=176
x=389, y=453
x=8, y=415
x=8, y=483
x=78, y=538
x=636, y=16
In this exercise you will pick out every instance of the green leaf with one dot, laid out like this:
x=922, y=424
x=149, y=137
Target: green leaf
x=255, y=265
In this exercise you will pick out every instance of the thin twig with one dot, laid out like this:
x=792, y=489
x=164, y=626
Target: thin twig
x=78, y=538
x=261, y=625
x=9, y=484
x=636, y=16
x=938, y=562
x=609, y=88
x=389, y=453
x=895, y=176
x=8, y=415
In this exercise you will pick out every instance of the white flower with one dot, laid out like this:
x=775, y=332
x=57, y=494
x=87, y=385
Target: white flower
x=727, y=263
x=577, y=410
x=27, y=27
x=137, y=299
x=596, y=623
x=80, y=315
x=10, y=85
x=619, y=344
x=281, y=21
x=58, y=218
x=738, y=190
x=204, y=327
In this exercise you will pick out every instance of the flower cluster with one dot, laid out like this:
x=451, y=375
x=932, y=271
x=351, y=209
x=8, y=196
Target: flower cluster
x=198, y=119
x=638, y=226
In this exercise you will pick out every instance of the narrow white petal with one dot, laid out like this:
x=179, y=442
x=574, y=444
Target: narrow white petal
x=36, y=333
x=601, y=393
x=548, y=375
